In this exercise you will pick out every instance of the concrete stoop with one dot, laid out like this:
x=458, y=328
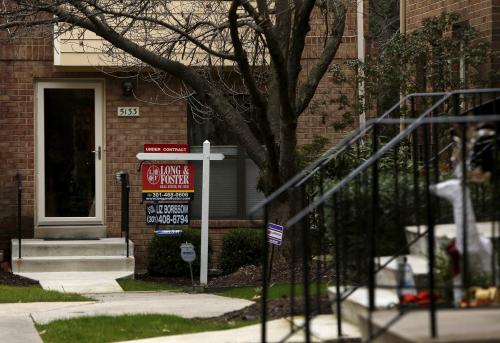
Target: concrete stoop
x=460, y=326
x=444, y=234
x=457, y=326
x=81, y=266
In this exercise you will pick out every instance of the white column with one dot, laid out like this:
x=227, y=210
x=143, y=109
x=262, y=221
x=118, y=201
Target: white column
x=204, y=213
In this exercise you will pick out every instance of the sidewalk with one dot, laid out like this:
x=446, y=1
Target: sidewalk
x=323, y=329
x=16, y=320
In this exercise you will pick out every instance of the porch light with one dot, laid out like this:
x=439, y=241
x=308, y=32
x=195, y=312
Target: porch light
x=127, y=88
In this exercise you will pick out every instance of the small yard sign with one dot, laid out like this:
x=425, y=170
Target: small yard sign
x=274, y=234
x=188, y=254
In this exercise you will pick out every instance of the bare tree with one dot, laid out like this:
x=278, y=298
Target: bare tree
x=209, y=45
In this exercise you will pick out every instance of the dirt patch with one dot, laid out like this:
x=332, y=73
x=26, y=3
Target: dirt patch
x=278, y=308
x=10, y=279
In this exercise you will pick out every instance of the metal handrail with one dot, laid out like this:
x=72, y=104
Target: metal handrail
x=388, y=146
x=124, y=179
x=355, y=135
x=456, y=108
x=19, y=183
x=333, y=152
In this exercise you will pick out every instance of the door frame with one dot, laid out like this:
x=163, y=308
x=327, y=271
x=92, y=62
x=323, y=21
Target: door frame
x=99, y=117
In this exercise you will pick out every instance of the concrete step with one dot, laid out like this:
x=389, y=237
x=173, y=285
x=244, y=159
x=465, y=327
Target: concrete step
x=71, y=231
x=100, y=247
x=388, y=276
x=457, y=326
x=444, y=234
x=72, y=264
x=357, y=303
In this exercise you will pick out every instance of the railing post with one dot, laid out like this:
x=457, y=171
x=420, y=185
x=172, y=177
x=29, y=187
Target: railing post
x=264, y=276
x=304, y=225
x=463, y=183
x=19, y=199
x=416, y=182
x=338, y=296
x=372, y=234
x=125, y=187
x=320, y=261
x=495, y=204
x=430, y=234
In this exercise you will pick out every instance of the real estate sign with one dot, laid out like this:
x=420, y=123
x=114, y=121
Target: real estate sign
x=161, y=177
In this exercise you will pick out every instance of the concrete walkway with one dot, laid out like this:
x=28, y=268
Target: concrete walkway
x=323, y=329
x=79, y=282
x=16, y=320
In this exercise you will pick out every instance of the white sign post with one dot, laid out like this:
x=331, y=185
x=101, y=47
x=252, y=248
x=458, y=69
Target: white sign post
x=206, y=156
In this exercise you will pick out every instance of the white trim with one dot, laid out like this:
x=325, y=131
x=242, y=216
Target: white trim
x=154, y=156
x=57, y=47
x=40, y=156
x=360, y=32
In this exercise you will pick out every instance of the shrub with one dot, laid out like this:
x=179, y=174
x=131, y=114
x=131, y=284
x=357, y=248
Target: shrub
x=164, y=254
x=240, y=247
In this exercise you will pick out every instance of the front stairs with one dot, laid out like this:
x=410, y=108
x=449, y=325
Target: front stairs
x=473, y=325
x=81, y=266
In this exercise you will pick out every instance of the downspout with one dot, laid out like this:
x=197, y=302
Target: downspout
x=402, y=31
x=402, y=16
x=361, y=57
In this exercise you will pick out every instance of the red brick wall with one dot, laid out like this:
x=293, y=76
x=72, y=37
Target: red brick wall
x=483, y=15
x=20, y=62
x=477, y=12
x=320, y=117
x=125, y=137
x=495, y=29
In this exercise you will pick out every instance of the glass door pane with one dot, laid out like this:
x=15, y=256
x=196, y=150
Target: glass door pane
x=69, y=139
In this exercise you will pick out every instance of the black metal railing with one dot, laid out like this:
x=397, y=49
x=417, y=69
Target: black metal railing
x=19, y=184
x=124, y=179
x=350, y=208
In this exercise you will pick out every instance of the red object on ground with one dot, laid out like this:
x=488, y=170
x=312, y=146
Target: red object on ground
x=421, y=299
x=452, y=251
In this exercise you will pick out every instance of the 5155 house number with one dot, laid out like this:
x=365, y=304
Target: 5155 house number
x=128, y=111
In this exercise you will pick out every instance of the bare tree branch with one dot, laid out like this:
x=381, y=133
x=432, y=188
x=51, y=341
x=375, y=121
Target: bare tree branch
x=308, y=90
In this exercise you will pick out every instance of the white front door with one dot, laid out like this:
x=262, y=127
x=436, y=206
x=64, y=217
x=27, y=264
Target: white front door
x=69, y=153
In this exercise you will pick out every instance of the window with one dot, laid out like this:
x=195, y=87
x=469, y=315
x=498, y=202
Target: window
x=233, y=181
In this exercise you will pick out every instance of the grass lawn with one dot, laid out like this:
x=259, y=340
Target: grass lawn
x=278, y=290
x=29, y=294
x=111, y=329
x=131, y=285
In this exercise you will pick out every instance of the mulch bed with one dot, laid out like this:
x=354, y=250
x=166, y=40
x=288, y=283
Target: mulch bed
x=10, y=279
x=277, y=308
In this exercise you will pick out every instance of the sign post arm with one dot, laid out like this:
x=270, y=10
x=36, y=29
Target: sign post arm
x=204, y=214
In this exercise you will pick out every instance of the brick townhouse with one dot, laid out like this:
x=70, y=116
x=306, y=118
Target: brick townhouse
x=62, y=134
